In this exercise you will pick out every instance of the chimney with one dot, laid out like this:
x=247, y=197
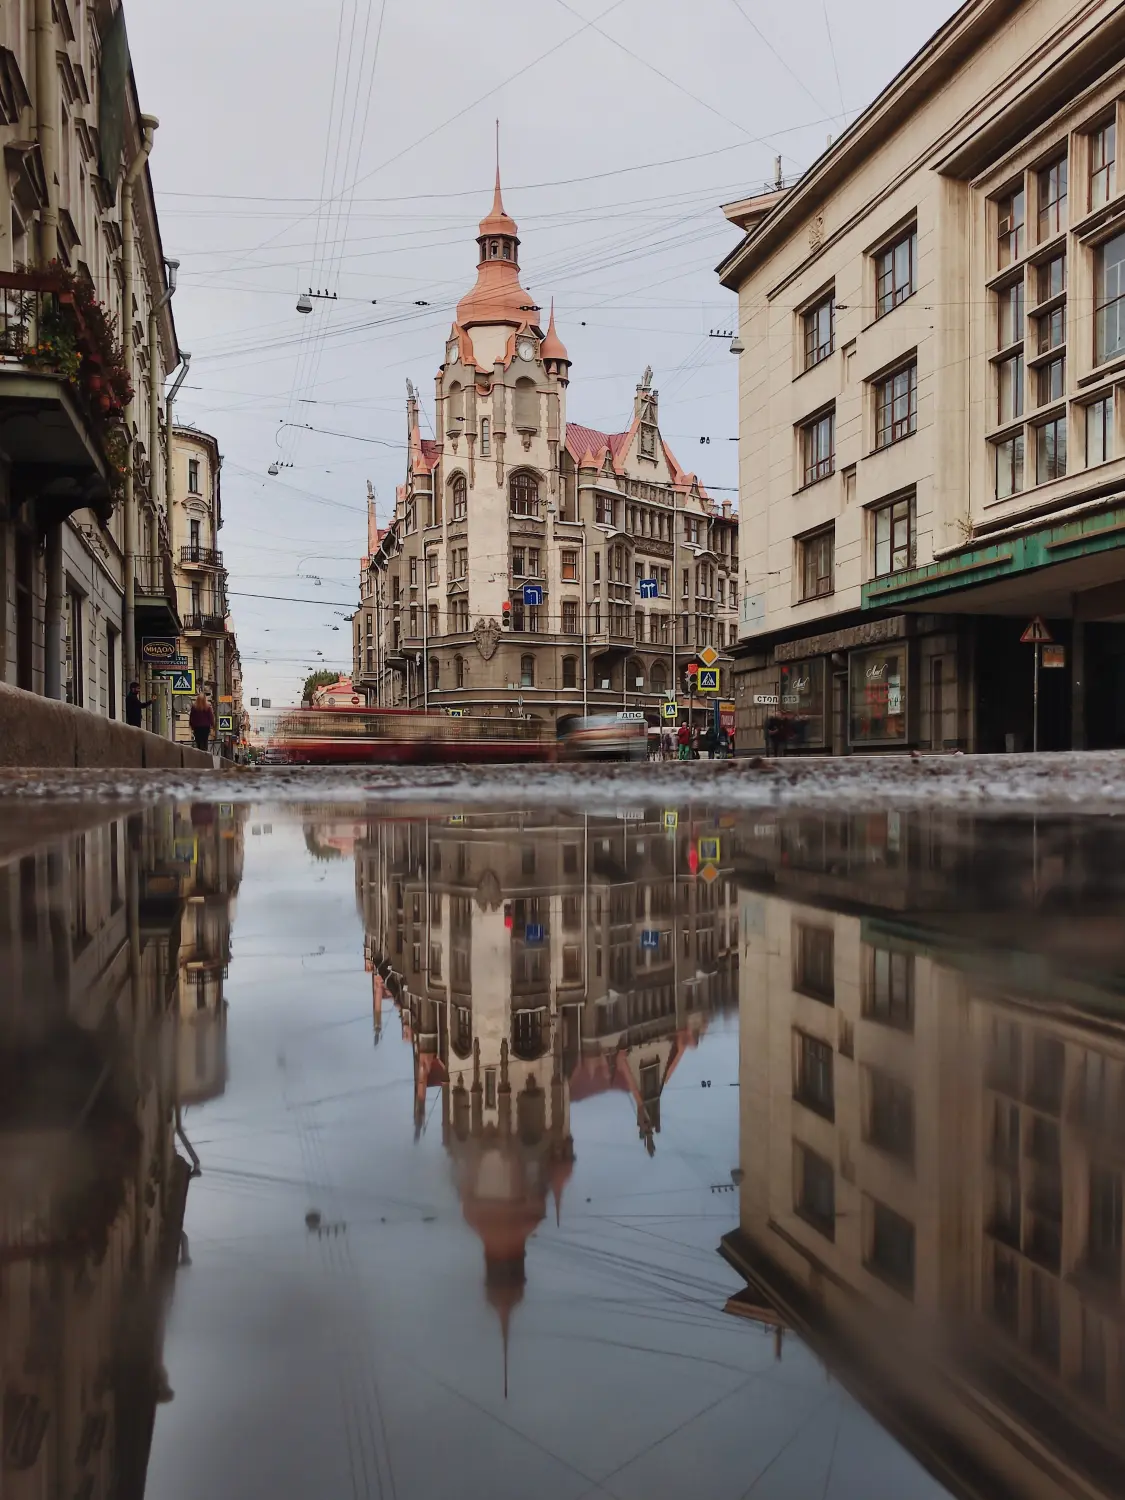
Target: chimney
x=726, y=510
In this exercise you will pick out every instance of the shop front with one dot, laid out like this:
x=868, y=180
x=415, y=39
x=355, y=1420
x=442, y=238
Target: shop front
x=878, y=693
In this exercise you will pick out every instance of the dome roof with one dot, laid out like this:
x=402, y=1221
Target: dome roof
x=553, y=347
x=497, y=221
x=497, y=296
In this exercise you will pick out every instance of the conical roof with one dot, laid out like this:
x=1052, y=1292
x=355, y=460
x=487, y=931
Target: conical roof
x=553, y=347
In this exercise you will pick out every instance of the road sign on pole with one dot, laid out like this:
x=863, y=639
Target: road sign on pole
x=669, y=711
x=708, y=656
x=650, y=941
x=183, y=680
x=1038, y=636
x=1037, y=633
x=533, y=594
x=226, y=723
x=707, y=680
x=647, y=588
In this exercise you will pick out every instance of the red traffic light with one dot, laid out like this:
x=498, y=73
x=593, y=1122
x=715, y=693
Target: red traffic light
x=693, y=859
x=692, y=668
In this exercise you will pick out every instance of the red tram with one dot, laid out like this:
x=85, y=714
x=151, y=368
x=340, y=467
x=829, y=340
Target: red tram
x=401, y=736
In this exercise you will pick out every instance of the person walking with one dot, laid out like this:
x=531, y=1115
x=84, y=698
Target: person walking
x=201, y=721
x=666, y=746
x=683, y=739
x=135, y=706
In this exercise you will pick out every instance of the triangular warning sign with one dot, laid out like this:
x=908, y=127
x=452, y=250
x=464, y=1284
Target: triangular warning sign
x=1037, y=633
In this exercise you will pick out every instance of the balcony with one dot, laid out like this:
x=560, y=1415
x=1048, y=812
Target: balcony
x=62, y=392
x=206, y=616
x=154, y=591
x=200, y=557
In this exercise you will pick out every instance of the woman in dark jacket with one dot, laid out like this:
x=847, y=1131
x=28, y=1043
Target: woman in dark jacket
x=201, y=722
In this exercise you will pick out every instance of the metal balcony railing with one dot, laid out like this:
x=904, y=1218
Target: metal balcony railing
x=201, y=557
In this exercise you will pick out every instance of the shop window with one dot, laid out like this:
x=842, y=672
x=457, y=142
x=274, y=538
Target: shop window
x=1051, y=184
x=896, y=270
x=819, y=330
x=1050, y=450
x=814, y=1190
x=818, y=448
x=801, y=689
x=817, y=557
x=1009, y=466
x=1099, y=431
x=877, y=696
x=1109, y=299
x=896, y=406
x=1010, y=228
x=893, y=526
x=1103, y=153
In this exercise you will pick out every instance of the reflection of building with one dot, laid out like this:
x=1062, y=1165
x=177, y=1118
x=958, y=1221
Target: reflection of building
x=533, y=564
x=93, y=929
x=932, y=1104
x=539, y=962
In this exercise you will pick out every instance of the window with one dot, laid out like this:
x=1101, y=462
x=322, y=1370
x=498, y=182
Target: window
x=1009, y=466
x=570, y=567
x=1052, y=199
x=890, y=1246
x=893, y=525
x=691, y=531
x=435, y=670
x=1103, y=151
x=524, y=492
x=818, y=448
x=658, y=678
x=485, y=437
x=1051, y=330
x=1050, y=450
x=1099, y=431
x=597, y=566
x=461, y=614
x=193, y=476
x=194, y=539
x=517, y=562
x=814, y=971
x=460, y=498
x=604, y=510
x=1050, y=277
x=570, y=671
x=413, y=572
x=431, y=568
x=74, y=634
x=1009, y=315
x=896, y=406
x=527, y=671
x=1109, y=299
x=1010, y=388
x=888, y=988
x=433, y=621
x=533, y=562
x=525, y=406
x=1052, y=380
x=413, y=620
x=813, y=1084
x=460, y=566
x=1010, y=228
x=819, y=325
x=665, y=582
x=895, y=272
x=687, y=582
x=570, y=617
x=1103, y=1245
x=460, y=675
x=816, y=560
x=815, y=1196
x=889, y=1122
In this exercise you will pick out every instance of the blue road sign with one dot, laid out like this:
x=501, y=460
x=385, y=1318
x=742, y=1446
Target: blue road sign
x=534, y=932
x=648, y=588
x=650, y=940
x=226, y=723
x=533, y=593
x=183, y=681
x=707, y=680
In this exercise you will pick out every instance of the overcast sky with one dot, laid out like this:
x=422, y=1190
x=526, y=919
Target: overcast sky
x=348, y=145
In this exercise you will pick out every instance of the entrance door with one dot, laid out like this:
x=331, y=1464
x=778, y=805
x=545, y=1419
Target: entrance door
x=25, y=610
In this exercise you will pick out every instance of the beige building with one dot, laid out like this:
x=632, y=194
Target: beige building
x=931, y=420
x=538, y=962
x=86, y=341
x=930, y=1122
x=534, y=565
x=207, y=639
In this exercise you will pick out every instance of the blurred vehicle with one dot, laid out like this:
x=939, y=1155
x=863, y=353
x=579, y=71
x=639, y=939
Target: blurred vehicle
x=621, y=736
x=379, y=736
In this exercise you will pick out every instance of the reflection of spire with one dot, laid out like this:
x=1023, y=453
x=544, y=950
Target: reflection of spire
x=378, y=991
x=505, y=1281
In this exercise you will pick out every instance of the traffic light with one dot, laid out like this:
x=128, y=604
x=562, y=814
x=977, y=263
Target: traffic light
x=506, y=614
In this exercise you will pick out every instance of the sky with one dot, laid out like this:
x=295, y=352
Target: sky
x=348, y=146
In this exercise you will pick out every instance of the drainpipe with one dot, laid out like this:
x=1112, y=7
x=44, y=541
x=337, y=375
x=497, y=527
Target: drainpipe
x=46, y=130
x=154, y=383
x=149, y=124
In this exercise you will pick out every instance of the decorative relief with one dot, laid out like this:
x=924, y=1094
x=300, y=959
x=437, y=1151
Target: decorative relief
x=816, y=231
x=486, y=633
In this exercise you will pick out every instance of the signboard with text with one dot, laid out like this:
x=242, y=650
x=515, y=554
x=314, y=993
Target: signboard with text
x=158, y=650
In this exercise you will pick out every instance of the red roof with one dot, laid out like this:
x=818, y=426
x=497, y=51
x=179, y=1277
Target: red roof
x=431, y=451
x=582, y=440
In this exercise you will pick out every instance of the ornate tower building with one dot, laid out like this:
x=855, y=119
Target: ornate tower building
x=535, y=566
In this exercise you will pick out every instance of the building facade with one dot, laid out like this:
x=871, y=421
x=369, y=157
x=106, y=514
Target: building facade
x=206, y=638
x=86, y=341
x=931, y=1106
x=532, y=565
x=932, y=450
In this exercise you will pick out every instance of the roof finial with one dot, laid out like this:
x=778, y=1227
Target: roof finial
x=497, y=201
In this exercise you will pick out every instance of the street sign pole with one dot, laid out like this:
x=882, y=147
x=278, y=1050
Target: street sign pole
x=1035, y=703
x=1035, y=635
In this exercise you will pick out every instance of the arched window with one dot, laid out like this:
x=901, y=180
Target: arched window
x=634, y=676
x=527, y=671
x=658, y=677
x=494, y=249
x=526, y=406
x=523, y=489
x=435, y=673
x=570, y=672
x=455, y=408
x=460, y=488
x=529, y=1034
x=459, y=672
x=462, y=1037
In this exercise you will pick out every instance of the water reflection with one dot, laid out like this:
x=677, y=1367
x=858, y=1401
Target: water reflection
x=932, y=1112
x=113, y=946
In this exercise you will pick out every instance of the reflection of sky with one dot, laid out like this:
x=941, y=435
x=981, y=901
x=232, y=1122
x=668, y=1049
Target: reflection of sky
x=369, y=1362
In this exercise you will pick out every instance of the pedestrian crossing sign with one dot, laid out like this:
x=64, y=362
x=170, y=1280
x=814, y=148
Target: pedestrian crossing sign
x=707, y=680
x=669, y=711
x=226, y=723
x=183, y=681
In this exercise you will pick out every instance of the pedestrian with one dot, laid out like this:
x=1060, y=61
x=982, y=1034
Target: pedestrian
x=201, y=721
x=722, y=745
x=134, y=705
x=683, y=738
x=666, y=746
x=773, y=734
